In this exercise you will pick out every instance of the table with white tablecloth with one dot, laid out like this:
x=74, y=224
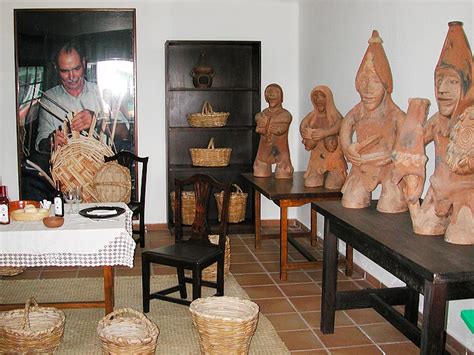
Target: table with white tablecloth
x=80, y=241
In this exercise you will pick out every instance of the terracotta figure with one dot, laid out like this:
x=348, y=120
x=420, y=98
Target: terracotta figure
x=448, y=206
x=273, y=124
x=320, y=131
x=375, y=120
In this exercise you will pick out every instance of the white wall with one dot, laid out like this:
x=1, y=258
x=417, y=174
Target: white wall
x=333, y=39
x=273, y=23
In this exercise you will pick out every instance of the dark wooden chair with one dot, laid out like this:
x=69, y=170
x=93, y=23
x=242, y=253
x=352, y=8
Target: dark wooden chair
x=137, y=201
x=195, y=253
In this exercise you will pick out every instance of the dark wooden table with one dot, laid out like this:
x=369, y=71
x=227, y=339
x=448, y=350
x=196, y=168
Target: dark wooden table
x=291, y=193
x=427, y=264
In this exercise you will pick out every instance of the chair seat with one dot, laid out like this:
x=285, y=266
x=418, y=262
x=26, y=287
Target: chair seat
x=135, y=207
x=184, y=252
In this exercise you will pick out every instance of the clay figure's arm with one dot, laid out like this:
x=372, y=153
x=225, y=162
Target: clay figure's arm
x=261, y=121
x=345, y=137
x=280, y=124
x=429, y=129
x=320, y=133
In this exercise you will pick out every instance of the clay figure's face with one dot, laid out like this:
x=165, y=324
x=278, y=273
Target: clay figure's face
x=448, y=90
x=273, y=96
x=370, y=89
x=319, y=100
x=71, y=72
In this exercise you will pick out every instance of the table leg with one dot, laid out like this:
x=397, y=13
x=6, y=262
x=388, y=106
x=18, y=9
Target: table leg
x=314, y=227
x=109, y=289
x=349, y=260
x=258, y=221
x=283, y=240
x=411, y=307
x=328, y=300
x=433, y=336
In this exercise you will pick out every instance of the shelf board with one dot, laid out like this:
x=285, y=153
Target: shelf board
x=214, y=89
x=196, y=169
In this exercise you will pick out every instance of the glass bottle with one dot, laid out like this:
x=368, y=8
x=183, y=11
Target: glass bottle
x=58, y=200
x=4, y=210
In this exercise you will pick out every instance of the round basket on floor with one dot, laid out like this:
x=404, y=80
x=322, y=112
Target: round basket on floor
x=127, y=331
x=113, y=183
x=11, y=270
x=32, y=329
x=237, y=205
x=188, y=206
x=210, y=273
x=225, y=324
x=77, y=163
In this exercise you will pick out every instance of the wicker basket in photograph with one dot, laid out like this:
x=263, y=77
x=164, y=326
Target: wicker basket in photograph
x=225, y=324
x=32, y=329
x=113, y=183
x=210, y=156
x=127, y=331
x=207, y=117
x=210, y=273
x=188, y=207
x=77, y=162
x=237, y=205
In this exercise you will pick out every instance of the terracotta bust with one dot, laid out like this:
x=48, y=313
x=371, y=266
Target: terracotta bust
x=448, y=206
x=320, y=131
x=273, y=124
x=375, y=120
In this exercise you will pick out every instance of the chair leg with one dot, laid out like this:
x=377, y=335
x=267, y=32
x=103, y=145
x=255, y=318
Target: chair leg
x=182, y=283
x=146, y=284
x=220, y=276
x=142, y=229
x=197, y=276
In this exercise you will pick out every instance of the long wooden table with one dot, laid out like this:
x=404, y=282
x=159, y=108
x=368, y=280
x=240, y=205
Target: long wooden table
x=287, y=193
x=427, y=264
x=79, y=242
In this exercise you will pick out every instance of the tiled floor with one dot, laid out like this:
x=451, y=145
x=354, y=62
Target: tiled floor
x=292, y=306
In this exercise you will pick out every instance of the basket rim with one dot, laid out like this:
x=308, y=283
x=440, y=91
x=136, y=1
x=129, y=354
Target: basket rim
x=252, y=306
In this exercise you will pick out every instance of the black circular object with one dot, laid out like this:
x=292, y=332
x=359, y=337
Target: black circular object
x=89, y=212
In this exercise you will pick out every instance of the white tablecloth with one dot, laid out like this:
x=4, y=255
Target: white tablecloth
x=80, y=241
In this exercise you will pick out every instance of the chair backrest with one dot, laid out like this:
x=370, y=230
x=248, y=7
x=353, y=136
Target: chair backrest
x=204, y=186
x=129, y=160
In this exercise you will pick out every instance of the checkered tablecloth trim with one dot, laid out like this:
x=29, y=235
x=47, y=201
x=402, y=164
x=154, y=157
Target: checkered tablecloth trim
x=118, y=252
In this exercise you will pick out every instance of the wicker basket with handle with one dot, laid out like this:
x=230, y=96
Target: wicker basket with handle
x=32, y=329
x=210, y=156
x=237, y=205
x=207, y=117
x=210, y=273
x=188, y=206
x=127, y=331
x=225, y=324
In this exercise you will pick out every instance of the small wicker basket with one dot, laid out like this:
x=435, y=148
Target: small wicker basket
x=188, y=206
x=77, y=163
x=127, y=331
x=237, y=205
x=32, y=329
x=11, y=270
x=210, y=156
x=113, y=183
x=225, y=324
x=210, y=273
x=207, y=117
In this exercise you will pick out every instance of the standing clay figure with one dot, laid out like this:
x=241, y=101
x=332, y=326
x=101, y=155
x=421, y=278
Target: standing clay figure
x=448, y=206
x=272, y=125
x=376, y=120
x=320, y=129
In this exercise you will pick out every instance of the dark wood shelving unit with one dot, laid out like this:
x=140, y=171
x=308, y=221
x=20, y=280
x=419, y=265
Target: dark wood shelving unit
x=236, y=89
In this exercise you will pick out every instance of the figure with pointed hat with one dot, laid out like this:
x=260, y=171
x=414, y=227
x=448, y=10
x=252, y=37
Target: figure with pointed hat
x=320, y=131
x=273, y=124
x=448, y=207
x=375, y=120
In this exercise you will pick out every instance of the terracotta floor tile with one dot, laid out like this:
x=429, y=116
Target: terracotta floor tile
x=300, y=340
x=383, y=333
x=242, y=258
x=343, y=337
x=363, y=284
x=28, y=274
x=58, y=274
x=365, y=316
x=267, y=248
x=293, y=277
x=90, y=272
x=235, y=240
x=303, y=289
x=239, y=249
x=263, y=257
x=245, y=268
x=287, y=321
x=347, y=286
x=137, y=271
x=256, y=292
x=407, y=348
x=309, y=352
x=253, y=279
x=307, y=303
x=274, y=305
x=314, y=319
x=272, y=266
x=162, y=270
x=356, y=350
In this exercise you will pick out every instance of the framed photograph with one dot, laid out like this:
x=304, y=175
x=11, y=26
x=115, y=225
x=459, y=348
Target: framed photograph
x=75, y=78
